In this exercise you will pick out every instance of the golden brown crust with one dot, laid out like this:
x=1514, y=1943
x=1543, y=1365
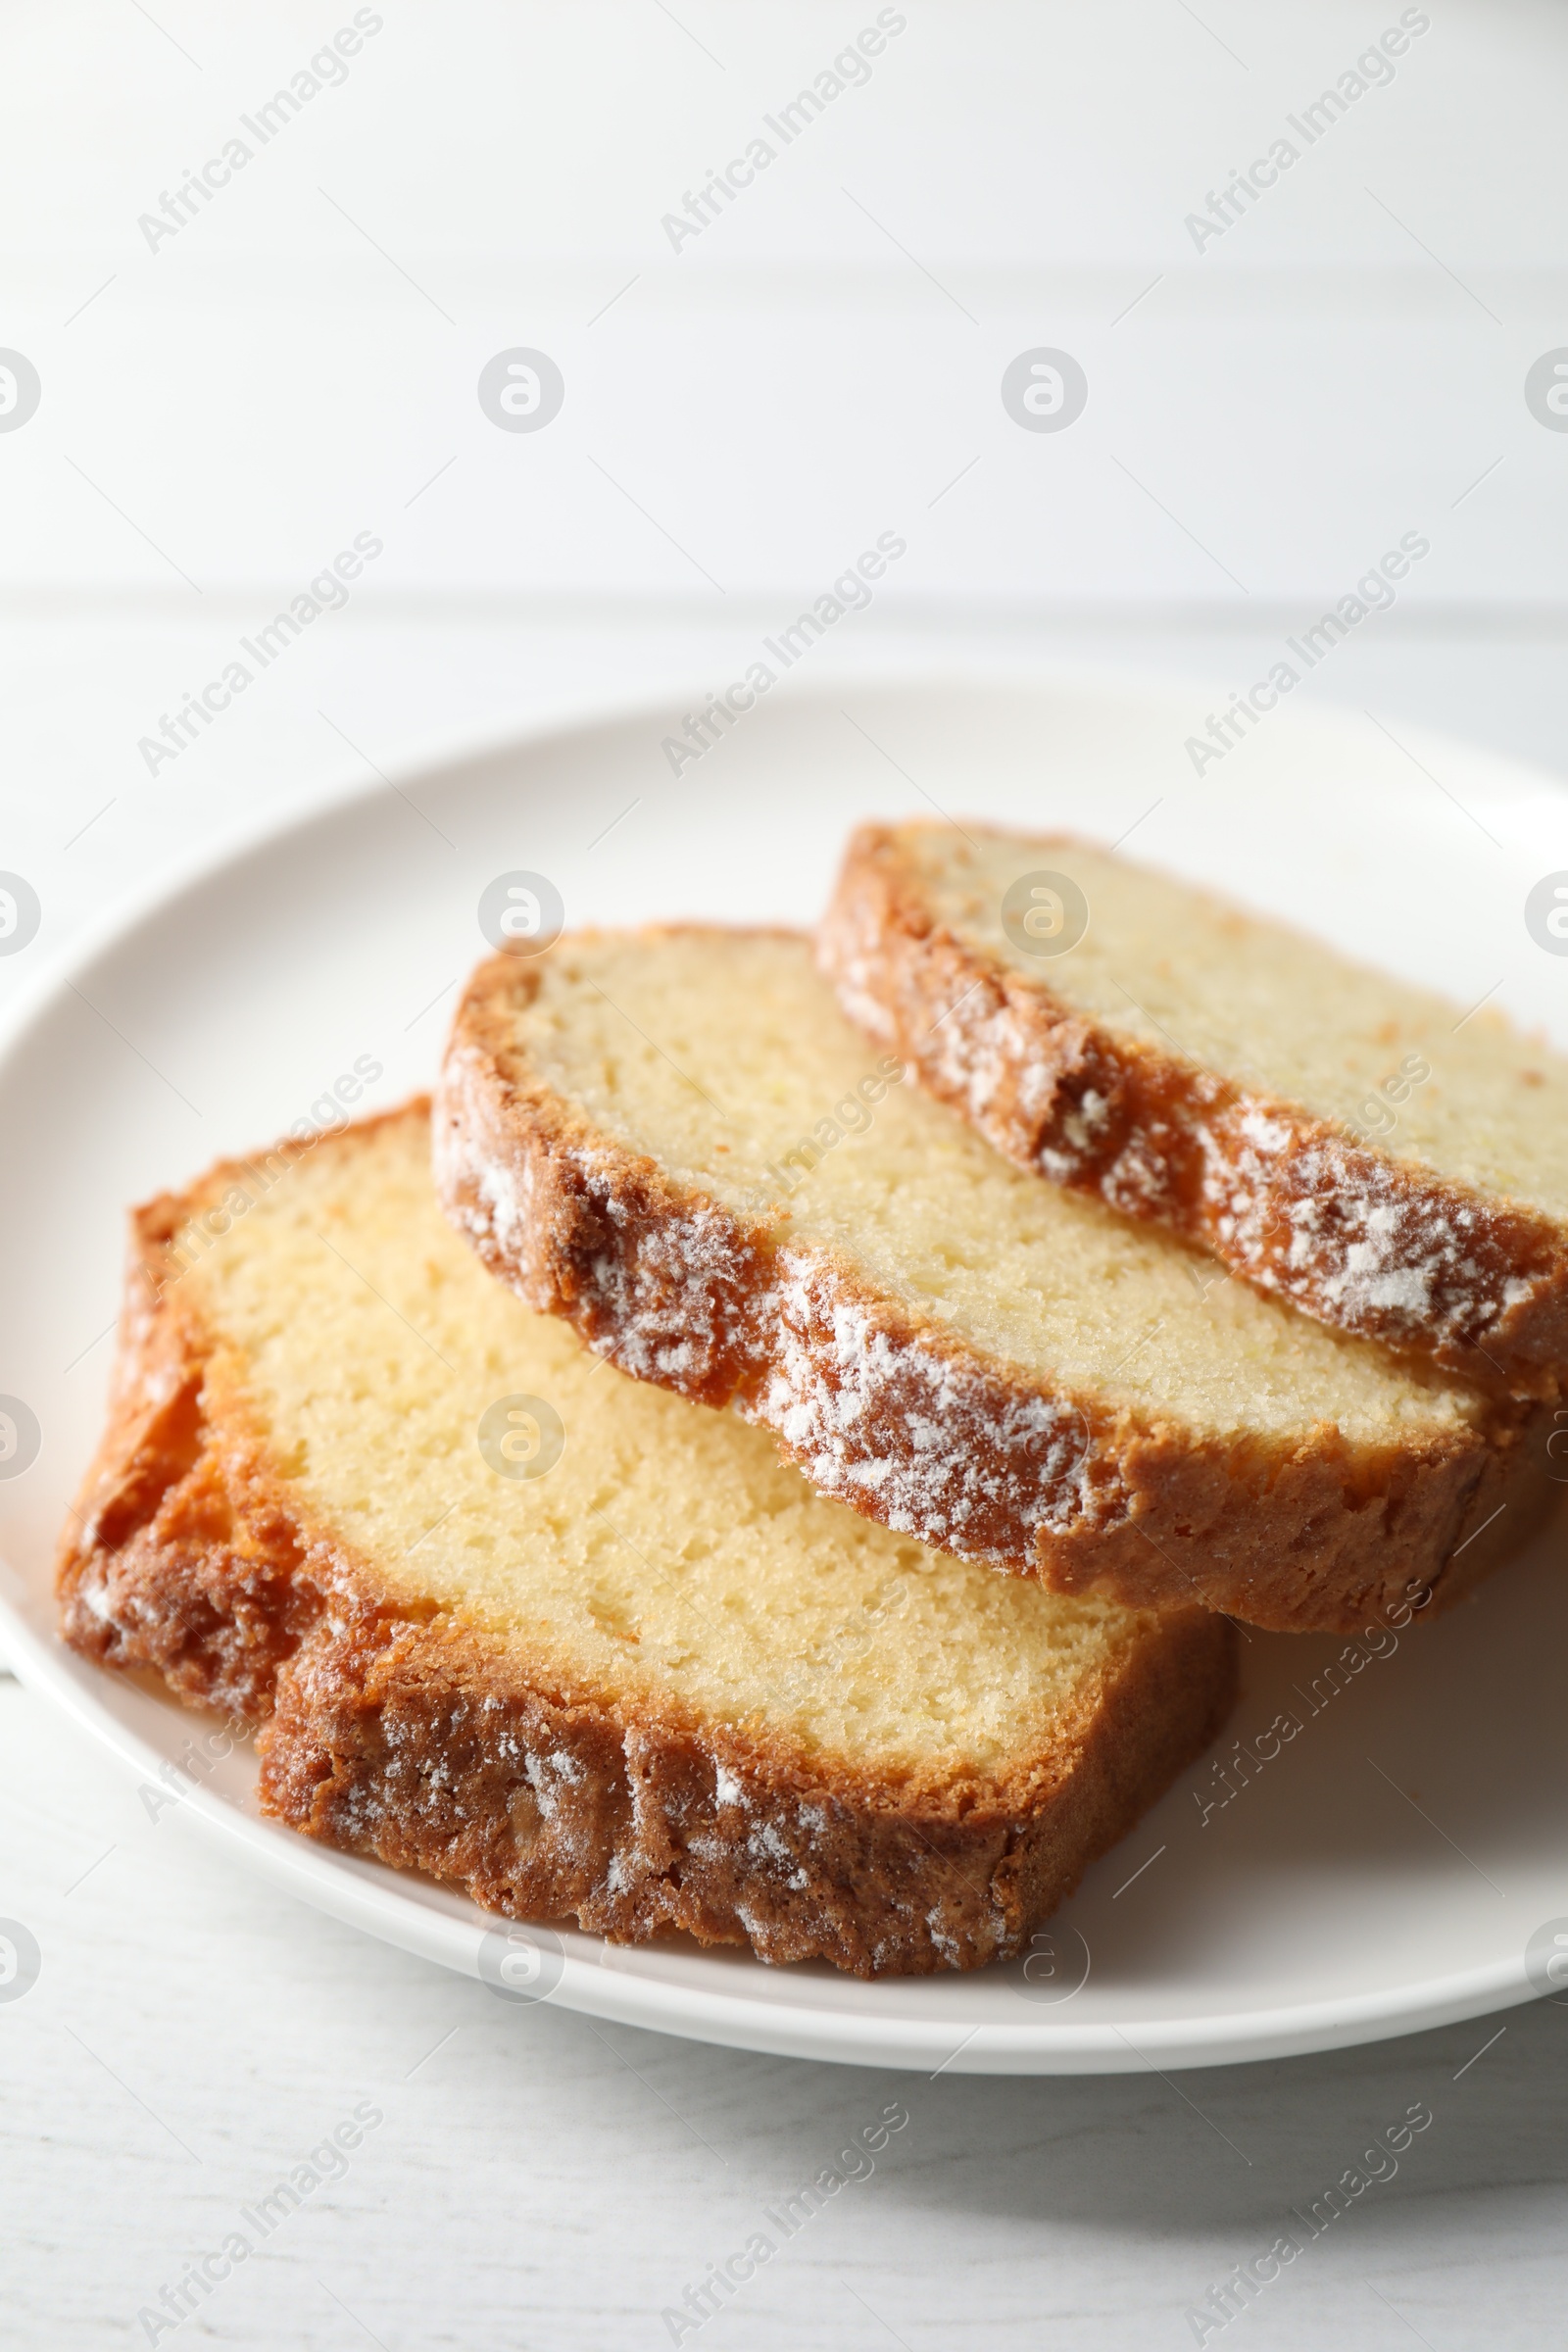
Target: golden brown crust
x=895, y=1415
x=438, y=1744
x=1383, y=1247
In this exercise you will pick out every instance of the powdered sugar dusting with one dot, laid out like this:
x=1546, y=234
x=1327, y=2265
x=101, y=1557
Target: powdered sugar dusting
x=1353, y=1236
x=959, y=1459
x=867, y=1399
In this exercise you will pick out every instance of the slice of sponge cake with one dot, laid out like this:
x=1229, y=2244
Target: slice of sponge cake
x=677, y=1141
x=1388, y=1162
x=512, y=1617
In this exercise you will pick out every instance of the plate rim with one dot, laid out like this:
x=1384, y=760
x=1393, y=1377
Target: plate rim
x=366, y=1894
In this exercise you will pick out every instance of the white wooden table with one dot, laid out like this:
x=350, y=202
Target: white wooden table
x=538, y=2181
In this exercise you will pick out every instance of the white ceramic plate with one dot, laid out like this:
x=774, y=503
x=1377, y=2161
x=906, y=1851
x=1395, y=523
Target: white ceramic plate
x=1383, y=1871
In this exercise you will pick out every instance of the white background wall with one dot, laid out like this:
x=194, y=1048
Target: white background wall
x=299, y=364
x=1339, y=366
